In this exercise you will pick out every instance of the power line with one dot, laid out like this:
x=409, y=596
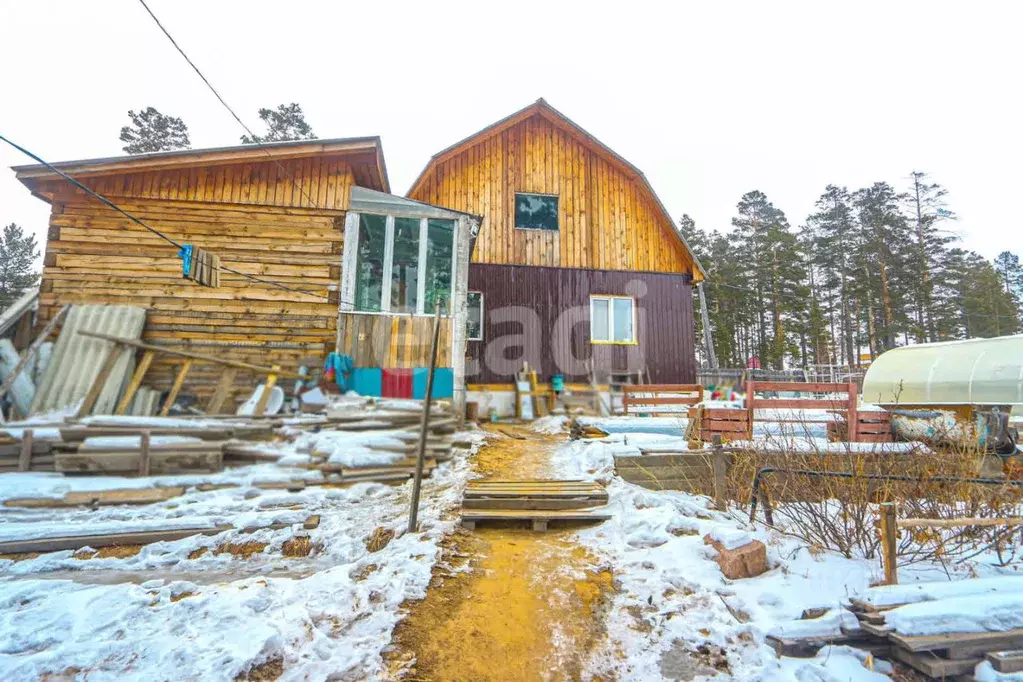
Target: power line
x=82, y=187
x=141, y=223
x=205, y=80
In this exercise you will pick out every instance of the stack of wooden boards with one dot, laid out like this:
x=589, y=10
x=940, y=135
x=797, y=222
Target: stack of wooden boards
x=537, y=501
x=881, y=612
x=399, y=430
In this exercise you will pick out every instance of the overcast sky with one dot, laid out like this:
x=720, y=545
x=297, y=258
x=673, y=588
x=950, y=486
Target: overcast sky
x=710, y=100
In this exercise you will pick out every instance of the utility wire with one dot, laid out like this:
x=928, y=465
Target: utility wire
x=205, y=80
x=82, y=187
x=139, y=222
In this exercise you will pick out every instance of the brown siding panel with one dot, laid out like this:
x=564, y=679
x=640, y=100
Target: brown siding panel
x=665, y=332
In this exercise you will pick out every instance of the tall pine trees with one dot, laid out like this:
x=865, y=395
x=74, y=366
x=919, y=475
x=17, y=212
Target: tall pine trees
x=18, y=252
x=151, y=131
x=870, y=269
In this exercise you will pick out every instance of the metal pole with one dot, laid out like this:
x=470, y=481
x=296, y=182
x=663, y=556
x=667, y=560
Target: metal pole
x=712, y=358
x=417, y=482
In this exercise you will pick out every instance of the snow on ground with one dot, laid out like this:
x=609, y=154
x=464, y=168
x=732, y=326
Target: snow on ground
x=191, y=610
x=673, y=596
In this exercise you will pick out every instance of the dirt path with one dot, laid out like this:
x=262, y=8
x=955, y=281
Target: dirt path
x=532, y=605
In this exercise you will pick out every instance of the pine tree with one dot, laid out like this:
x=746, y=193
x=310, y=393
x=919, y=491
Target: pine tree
x=766, y=244
x=18, y=252
x=285, y=123
x=883, y=248
x=151, y=131
x=835, y=242
x=927, y=211
x=1010, y=271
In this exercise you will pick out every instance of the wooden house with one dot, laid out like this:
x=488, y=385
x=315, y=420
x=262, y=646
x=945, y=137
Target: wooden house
x=577, y=259
x=327, y=259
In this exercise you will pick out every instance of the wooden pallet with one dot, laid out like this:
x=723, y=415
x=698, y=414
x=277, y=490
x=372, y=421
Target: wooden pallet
x=537, y=501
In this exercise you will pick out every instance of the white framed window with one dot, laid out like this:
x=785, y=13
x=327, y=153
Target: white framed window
x=403, y=265
x=474, y=318
x=612, y=319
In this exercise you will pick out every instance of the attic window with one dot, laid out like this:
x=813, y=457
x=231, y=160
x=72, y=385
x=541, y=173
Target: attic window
x=536, y=211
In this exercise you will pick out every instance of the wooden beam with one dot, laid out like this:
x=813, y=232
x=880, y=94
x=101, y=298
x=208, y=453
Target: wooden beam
x=889, y=543
x=179, y=379
x=136, y=381
x=25, y=456
x=99, y=382
x=223, y=390
x=43, y=545
x=202, y=357
x=145, y=461
x=268, y=387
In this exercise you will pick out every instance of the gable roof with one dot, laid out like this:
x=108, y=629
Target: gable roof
x=542, y=108
x=368, y=147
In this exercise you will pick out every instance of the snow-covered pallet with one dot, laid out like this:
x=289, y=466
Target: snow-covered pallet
x=537, y=501
x=944, y=630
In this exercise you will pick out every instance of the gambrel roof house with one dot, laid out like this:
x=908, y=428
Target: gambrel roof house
x=575, y=233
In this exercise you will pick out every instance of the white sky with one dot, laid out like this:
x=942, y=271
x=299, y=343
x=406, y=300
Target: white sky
x=710, y=100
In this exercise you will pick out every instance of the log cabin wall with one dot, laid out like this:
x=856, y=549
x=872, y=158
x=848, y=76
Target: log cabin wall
x=607, y=219
x=254, y=216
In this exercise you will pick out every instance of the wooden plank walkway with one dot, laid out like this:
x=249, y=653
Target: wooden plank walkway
x=537, y=501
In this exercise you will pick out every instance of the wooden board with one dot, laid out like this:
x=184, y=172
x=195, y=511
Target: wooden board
x=978, y=642
x=929, y=664
x=42, y=545
x=1006, y=661
x=532, y=514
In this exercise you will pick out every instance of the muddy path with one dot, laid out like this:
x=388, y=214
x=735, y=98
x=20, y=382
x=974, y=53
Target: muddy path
x=507, y=603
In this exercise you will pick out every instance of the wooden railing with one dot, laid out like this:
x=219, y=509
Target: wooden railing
x=655, y=396
x=846, y=403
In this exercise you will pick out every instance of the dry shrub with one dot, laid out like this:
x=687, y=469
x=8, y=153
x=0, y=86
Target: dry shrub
x=263, y=672
x=241, y=550
x=840, y=513
x=379, y=539
x=297, y=546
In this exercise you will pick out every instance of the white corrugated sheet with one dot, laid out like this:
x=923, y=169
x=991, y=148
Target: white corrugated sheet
x=10, y=316
x=77, y=359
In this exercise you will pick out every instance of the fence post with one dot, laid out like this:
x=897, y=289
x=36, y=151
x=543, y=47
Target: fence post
x=750, y=387
x=25, y=455
x=889, y=544
x=852, y=415
x=720, y=467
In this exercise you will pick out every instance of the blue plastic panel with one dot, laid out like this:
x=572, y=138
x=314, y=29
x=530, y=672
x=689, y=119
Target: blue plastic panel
x=368, y=381
x=443, y=383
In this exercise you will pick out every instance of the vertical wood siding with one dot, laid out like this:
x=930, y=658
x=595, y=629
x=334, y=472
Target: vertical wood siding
x=665, y=333
x=302, y=183
x=606, y=219
x=250, y=217
x=393, y=341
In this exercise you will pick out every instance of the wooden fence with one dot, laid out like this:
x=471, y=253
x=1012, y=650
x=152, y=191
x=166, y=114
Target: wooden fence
x=649, y=397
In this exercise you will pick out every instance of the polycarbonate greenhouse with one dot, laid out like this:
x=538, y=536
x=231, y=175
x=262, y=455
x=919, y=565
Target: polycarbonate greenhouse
x=973, y=372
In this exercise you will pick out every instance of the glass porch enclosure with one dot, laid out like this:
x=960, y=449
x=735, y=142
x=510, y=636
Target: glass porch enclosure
x=401, y=259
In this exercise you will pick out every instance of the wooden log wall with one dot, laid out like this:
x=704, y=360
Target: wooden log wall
x=393, y=341
x=258, y=222
x=607, y=219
